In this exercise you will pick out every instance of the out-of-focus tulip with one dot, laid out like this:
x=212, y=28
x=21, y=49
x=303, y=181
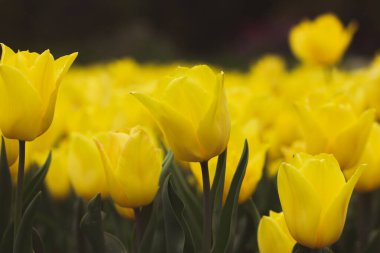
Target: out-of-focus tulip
x=322, y=41
x=57, y=179
x=370, y=179
x=255, y=164
x=11, y=147
x=132, y=164
x=273, y=235
x=335, y=129
x=192, y=113
x=85, y=167
x=29, y=85
x=314, y=196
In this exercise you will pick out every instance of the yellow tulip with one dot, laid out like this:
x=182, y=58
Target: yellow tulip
x=314, y=196
x=255, y=164
x=85, y=167
x=57, y=179
x=125, y=212
x=335, y=128
x=370, y=179
x=273, y=235
x=29, y=85
x=192, y=113
x=322, y=41
x=132, y=164
x=11, y=147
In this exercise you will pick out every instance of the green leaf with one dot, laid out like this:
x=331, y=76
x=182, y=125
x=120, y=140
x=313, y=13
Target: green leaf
x=35, y=184
x=168, y=161
x=38, y=245
x=145, y=244
x=23, y=241
x=177, y=233
x=228, y=217
x=6, y=244
x=5, y=190
x=254, y=217
x=113, y=244
x=92, y=227
x=374, y=242
x=298, y=248
x=216, y=193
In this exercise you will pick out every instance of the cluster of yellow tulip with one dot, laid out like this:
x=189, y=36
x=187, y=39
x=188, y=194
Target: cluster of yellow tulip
x=314, y=127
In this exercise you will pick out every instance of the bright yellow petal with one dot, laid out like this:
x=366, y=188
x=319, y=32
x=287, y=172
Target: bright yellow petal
x=7, y=56
x=63, y=64
x=350, y=143
x=20, y=105
x=177, y=129
x=114, y=187
x=334, y=216
x=300, y=204
x=271, y=238
x=214, y=128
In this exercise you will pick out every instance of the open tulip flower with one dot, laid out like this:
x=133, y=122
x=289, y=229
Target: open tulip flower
x=314, y=196
x=321, y=41
x=192, y=113
x=29, y=85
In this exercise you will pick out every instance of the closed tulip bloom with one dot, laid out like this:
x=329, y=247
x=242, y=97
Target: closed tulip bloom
x=321, y=41
x=192, y=113
x=29, y=85
x=85, y=167
x=370, y=179
x=314, y=196
x=273, y=235
x=336, y=129
x=132, y=164
x=11, y=147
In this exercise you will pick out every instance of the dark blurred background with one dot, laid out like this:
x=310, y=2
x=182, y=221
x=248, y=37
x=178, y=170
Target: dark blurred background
x=229, y=33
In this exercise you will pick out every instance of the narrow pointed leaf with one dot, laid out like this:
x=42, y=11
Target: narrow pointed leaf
x=35, y=184
x=216, y=193
x=178, y=236
x=92, y=227
x=5, y=190
x=228, y=217
x=38, y=245
x=166, y=164
x=23, y=241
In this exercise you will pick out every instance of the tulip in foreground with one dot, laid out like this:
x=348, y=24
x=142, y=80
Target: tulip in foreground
x=132, y=164
x=314, y=196
x=192, y=113
x=29, y=85
x=321, y=41
x=273, y=235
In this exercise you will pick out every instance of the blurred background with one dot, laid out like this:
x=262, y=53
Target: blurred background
x=230, y=34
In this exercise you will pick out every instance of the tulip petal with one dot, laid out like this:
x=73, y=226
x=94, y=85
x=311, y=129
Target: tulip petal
x=63, y=64
x=316, y=140
x=20, y=105
x=300, y=204
x=355, y=137
x=324, y=173
x=214, y=128
x=176, y=128
x=139, y=169
x=333, y=219
x=7, y=56
x=271, y=238
x=113, y=183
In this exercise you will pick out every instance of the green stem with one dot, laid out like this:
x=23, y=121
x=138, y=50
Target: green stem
x=19, y=188
x=138, y=227
x=207, y=219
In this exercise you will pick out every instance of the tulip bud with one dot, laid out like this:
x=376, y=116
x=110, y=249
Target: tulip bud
x=132, y=164
x=314, y=196
x=192, y=113
x=273, y=235
x=29, y=85
x=322, y=41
